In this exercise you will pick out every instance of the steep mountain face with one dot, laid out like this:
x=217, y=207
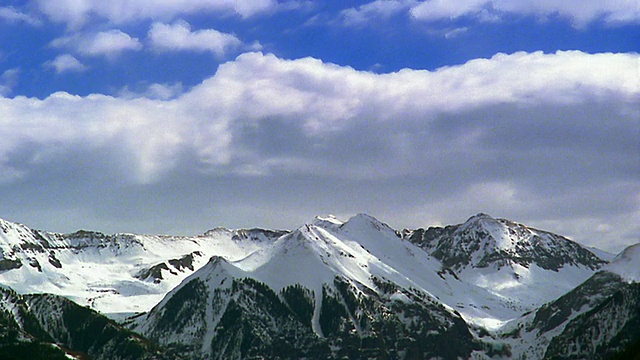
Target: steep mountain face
x=488, y=288
x=359, y=288
x=528, y=266
x=310, y=295
x=53, y=327
x=626, y=263
x=610, y=325
x=115, y=274
x=597, y=320
x=609, y=328
x=483, y=241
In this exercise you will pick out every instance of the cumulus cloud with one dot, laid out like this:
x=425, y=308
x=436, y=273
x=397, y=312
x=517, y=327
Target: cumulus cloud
x=179, y=37
x=530, y=136
x=143, y=134
x=76, y=13
x=323, y=100
x=106, y=43
x=579, y=12
x=65, y=63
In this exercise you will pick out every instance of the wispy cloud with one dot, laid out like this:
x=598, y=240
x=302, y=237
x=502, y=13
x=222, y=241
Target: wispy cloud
x=453, y=33
x=106, y=43
x=77, y=13
x=12, y=15
x=8, y=80
x=580, y=13
x=369, y=12
x=65, y=63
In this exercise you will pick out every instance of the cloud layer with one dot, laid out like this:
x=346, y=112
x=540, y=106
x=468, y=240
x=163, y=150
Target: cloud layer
x=579, y=12
x=530, y=136
x=77, y=13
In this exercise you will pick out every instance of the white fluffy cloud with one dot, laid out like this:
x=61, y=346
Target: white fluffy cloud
x=76, y=13
x=65, y=63
x=144, y=135
x=106, y=43
x=319, y=99
x=179, y=37
x=533, y=136
x=580, y=12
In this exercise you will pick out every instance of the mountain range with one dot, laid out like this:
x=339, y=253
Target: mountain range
x=358, y=289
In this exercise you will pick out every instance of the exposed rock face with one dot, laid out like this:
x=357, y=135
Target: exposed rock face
x=52, y=327
x=483, y=241
x=244, y=318
x=488, y=288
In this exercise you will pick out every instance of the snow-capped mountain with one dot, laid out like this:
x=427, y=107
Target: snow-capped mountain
x=321, y=291
x=483, y=241
x=331, y=289
x=626, y=264
x=598, y=319
x=529, y=267
x=114, y=274
x=371, y=279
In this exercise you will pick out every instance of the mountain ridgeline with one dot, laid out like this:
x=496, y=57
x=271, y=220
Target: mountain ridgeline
x=358, y=289
x=483, y=241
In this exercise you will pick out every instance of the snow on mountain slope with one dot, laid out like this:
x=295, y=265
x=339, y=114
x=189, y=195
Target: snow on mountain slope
x=627, y=264
x=482, y=241
x=363, y=248
x=596, y=320
x=361, y=262
x=45, y=326
x=489, y=270
x=408, y=265
x=525, y=266
x=331, y=289
x=367, y=253
x=604, y=255
x=121, y=273
x=345, y=282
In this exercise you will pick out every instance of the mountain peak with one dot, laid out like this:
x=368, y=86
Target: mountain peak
x=364, y=221
x=484, y=241
x=216, y=260
x=627, y=264
x=327, y=222
x=217, y=231
x=479, y=216
x=364, y=217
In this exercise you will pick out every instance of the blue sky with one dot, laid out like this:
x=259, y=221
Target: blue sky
x=179, y=116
